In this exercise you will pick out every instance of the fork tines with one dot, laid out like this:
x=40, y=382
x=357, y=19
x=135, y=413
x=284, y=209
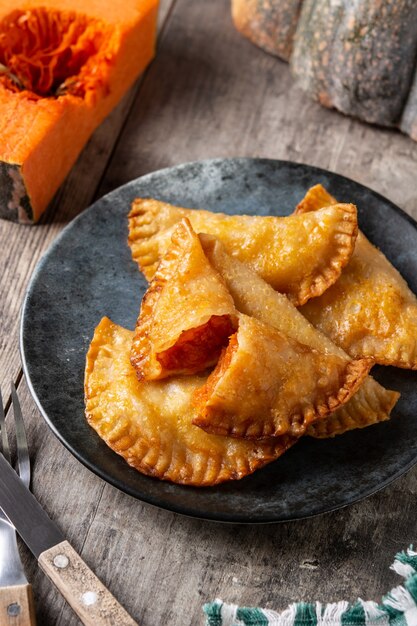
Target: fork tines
x=5, y=448
x=23, y=460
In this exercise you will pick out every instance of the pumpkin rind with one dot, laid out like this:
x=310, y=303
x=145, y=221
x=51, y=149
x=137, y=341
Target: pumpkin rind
x=268, y=24
x=38, y=115
x=15, y=201
x=357, y=57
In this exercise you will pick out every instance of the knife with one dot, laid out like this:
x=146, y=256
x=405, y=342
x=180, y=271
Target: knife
x=89, y=598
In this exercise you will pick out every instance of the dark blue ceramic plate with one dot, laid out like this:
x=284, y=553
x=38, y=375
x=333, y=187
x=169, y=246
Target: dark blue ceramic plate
x=88, y=273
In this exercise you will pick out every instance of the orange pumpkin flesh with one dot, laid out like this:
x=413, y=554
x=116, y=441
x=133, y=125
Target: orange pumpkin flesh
x=201, y=396
x=64, y=65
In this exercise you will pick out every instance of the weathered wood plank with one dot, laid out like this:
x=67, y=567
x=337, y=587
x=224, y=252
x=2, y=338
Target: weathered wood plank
x=165, y=566
x=382, y=159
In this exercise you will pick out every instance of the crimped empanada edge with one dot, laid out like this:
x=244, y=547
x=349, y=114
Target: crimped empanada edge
x=354, y=374
x=360, y=412
x=142, y=227
x=316, y=198
x=344, y=238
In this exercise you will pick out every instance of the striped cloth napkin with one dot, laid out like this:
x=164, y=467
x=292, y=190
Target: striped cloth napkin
x=398, y=607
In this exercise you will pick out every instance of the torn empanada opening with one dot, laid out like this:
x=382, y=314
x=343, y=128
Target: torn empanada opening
x=198, y=347
x=266, y=385
x=187, y=315
x=300, y=256
x=370, y=311
x=203, y=394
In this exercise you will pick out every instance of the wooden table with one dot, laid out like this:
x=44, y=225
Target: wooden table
x=209, y=93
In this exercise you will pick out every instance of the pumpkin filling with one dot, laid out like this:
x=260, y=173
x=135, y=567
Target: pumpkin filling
x=194, y=345
x=202, y=395
x=50, y=53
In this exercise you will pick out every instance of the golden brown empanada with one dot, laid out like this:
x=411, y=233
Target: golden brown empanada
x=298, y=255
x=253, y=296
x=370, y=405
x=370, y=310
x=266, y=384
x=149, y=423
x=187, y=314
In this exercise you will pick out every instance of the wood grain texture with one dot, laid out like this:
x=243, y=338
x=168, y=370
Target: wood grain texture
x=209, y=93
x=17, y=606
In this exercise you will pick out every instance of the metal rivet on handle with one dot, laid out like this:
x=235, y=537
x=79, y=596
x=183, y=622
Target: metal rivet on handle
x=13, y=609
x=61, y=561
x=89, y=598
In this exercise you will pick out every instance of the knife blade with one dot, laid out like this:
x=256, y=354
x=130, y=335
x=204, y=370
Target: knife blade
x=11, y=570
x=16, y=598
x=89, y=598
x=35, y=527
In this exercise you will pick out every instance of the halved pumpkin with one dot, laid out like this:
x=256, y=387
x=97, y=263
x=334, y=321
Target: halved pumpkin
x=64, y=64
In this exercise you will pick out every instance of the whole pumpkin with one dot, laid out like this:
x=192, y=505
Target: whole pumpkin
x=358, y=57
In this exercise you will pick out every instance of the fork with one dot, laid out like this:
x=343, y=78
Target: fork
x=16, y=598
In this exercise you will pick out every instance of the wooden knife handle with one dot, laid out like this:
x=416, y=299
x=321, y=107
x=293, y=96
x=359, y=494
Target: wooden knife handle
x=89, y=598
x=16, y=606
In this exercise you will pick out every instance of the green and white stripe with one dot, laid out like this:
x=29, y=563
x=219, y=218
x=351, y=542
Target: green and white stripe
x=397, y=608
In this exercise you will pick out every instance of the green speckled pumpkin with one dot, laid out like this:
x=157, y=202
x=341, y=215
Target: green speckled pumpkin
x=359, y=57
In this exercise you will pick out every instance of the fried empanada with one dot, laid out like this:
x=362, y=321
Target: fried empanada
x=372, y=403
x=266, y=384
x=298, y=255
x=370, y=310
x=187, y=314
x=149, y=423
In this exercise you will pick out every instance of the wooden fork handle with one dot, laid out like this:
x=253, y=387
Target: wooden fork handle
x=88, y=597
x=16, y=606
